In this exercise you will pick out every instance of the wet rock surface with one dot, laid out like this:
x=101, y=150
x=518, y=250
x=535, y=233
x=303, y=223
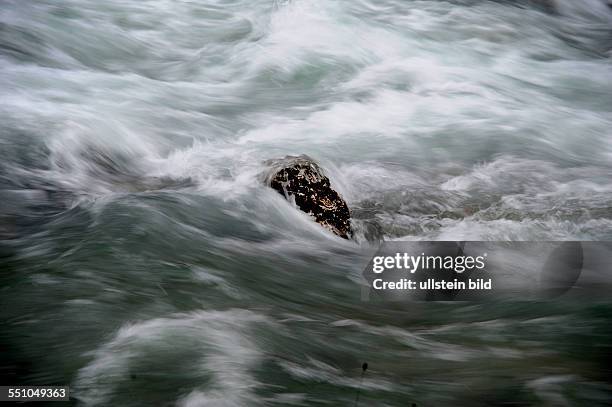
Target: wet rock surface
x=300, y=179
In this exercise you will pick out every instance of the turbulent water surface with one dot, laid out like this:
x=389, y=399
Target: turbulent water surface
x=143, y=263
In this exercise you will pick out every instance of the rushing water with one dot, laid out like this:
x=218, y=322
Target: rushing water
x=143, y=263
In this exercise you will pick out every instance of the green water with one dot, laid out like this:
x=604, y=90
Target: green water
x=142, y=262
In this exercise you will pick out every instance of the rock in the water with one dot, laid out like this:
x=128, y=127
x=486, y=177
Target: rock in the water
x=301, y=180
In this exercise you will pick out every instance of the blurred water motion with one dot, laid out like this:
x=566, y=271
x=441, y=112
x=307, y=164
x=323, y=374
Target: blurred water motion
x=143, y=263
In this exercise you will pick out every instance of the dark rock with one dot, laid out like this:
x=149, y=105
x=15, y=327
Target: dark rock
x=301, y=180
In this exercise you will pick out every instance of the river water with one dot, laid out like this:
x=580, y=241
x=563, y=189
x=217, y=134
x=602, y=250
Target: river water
x=143, y=263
